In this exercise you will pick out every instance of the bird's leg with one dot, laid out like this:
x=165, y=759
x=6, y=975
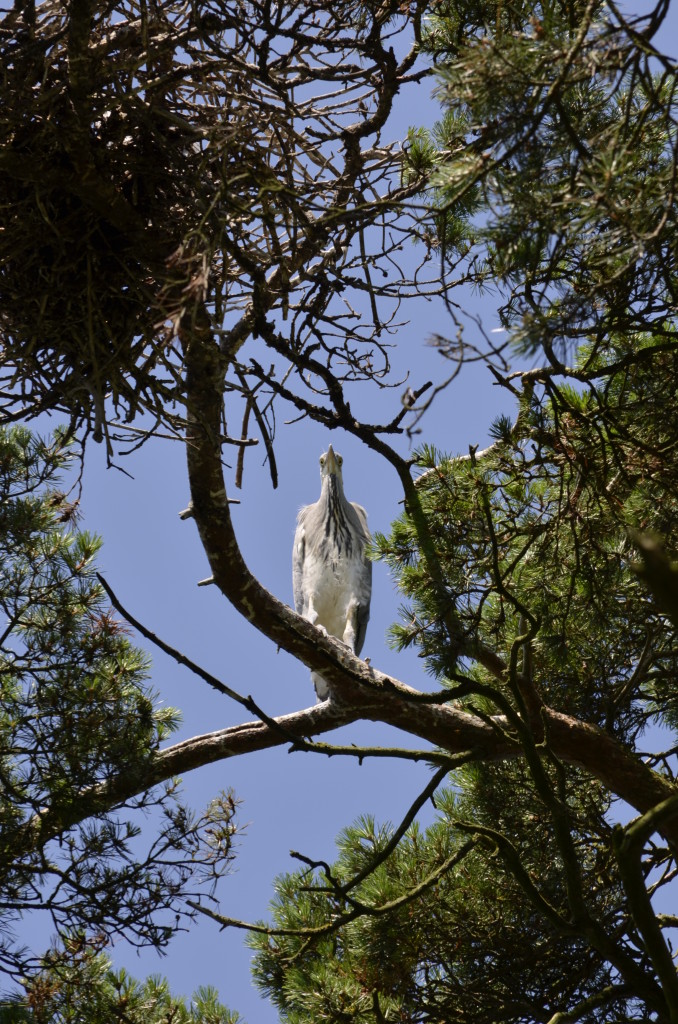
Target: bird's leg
x=312, y=616
x=351, y=628
x=321, y=688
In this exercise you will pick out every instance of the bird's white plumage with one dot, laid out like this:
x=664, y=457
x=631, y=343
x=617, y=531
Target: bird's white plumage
x=332, y=575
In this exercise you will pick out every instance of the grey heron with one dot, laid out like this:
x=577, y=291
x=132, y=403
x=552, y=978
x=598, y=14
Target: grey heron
x=332, y=574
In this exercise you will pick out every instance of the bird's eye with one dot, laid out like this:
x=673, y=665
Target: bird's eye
x=322, y=460
x=340, y=459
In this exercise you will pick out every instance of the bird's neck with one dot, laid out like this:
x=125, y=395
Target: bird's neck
x=331, y=489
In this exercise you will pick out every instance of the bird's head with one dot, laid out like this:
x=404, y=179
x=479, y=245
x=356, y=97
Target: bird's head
x=330, y=465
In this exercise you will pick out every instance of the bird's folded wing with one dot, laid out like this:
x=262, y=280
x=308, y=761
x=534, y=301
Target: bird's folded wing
x=298, y=555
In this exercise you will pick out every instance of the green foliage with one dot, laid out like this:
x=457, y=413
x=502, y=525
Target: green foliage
x=563, y=124
x=63, y=654
x=78, y=986
x=446, y=929
x=76, y=717
x=563, y=492
x=453, y=226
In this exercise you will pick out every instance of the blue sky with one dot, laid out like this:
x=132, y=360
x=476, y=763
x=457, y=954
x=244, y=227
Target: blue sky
x=153, y=561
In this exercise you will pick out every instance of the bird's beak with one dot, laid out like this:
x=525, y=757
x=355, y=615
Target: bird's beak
x=332, y=464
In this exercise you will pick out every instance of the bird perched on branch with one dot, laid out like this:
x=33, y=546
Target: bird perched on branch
x=332, y=575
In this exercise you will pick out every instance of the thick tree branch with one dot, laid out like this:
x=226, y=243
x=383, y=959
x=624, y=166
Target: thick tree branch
x=368, y=693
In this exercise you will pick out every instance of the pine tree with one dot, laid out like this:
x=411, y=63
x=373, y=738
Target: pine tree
x=80, y=987
x=538, y=574
x=75, y=713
